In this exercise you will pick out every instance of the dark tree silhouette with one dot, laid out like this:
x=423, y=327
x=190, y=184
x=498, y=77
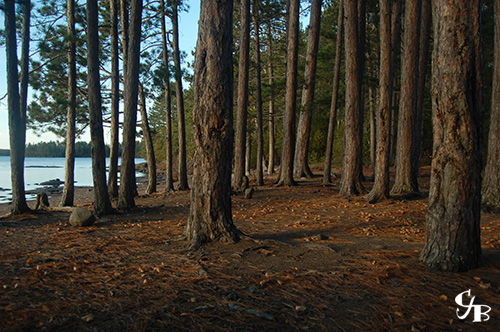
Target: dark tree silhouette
x=491, y=181
x=179, y=93
x=102, y=204
x=17, y=120
x=115, y=101
x=239, y=183
x=327, y=177
x=68, y=194
x=259, y=176
x=127, y=173
x=169, y=178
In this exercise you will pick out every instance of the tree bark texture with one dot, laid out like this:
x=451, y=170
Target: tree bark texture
x=179, y=93
x=148, y=141
x=169, y=177
x=373, y=131
x=301, y=165
x=350, y=183
x=102, y=204
x=248, y=153
x=288, y=148
x=380, y=188
x=491, y=181
x=423, y=59
x=17, y=124
x=259, y=175
x=210, y=216
x=68, y=194
x=242, y=98
x=127, y=172
x=453, y=216
x=271, y=125
x=397, y=13
x=124, y=17
x=406, y=170
x=327, y=177
x=115, y=102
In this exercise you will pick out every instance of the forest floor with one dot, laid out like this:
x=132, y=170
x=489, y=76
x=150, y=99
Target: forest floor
x=317, y=262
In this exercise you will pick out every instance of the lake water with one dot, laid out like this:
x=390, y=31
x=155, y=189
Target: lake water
x=38, y=170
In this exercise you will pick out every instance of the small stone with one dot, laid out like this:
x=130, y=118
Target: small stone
x=233, y=297
x=202, y=272
x=300, y=308
x=380, y=247
x=321, y=237
x=249, y=193
x=252, y=289
x=81, y=217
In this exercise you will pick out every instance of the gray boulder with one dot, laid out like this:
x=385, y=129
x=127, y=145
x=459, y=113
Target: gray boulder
x=81, y=217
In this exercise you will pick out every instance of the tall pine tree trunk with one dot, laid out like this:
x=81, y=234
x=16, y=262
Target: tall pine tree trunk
x=259, y=176
x=127, y=172
x=69, y=178
x=271, y=124
x=453, y=240
x=242, y=99
x=102, y=204
x=288, y=148
x=327, y=178
x=115, y=102
x=210, y=216
x=148, y=142
x=397, y=12
x=380, y=188
x=301, y=165
x=17, y=124
x=350, y=183
x=491, y=181
x=179, y=93
x=423, y=59
x=406, y=170
x=169, y=177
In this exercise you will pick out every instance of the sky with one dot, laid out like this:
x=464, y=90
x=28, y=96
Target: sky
x=188, y=30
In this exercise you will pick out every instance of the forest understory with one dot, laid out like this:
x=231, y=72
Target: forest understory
x=315, y=262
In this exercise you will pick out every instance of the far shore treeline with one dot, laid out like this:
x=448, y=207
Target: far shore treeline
x=55, y=149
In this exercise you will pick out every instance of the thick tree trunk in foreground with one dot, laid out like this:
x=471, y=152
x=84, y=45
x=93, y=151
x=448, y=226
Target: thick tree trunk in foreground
x=102, y=204
x=350, y=183
x=491, y=181
x=453, y=217
x=169, y=177
x=288, y=149
x=259, y=175
x=301, y=165
x=406, y=170
x=210, y=215
x=327, y=177
x=148, y=140
x=242, y=99
x=115, y=102
x=17, y=123
x=179, y=93
x=127, y=172
x=380, y=188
